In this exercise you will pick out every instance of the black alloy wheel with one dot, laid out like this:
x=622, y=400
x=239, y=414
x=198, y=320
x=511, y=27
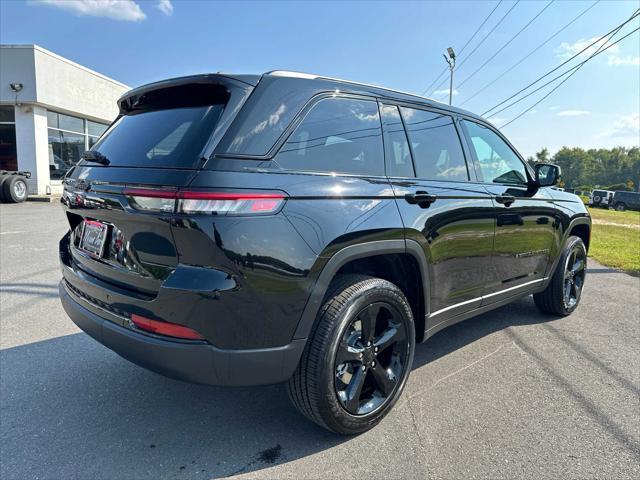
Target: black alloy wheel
x=563, y=292
x=574, y=274
x=371, y=358
x=358, y=357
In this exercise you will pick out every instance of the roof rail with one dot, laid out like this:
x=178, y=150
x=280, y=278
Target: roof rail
x=312, y=76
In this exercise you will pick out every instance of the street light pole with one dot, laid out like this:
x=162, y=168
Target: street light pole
x=451, y=60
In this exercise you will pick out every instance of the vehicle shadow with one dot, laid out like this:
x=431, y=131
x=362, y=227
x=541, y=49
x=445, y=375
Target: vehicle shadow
x=71, y=408
x=520, y=312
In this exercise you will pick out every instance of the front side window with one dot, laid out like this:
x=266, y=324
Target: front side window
x=498, y=162
x=396, y=146
x=437, y=152
x=340, y=135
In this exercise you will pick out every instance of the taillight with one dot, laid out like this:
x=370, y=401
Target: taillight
x=228, y=203
x=204, y=202
x=165, y=328
x=152, y=200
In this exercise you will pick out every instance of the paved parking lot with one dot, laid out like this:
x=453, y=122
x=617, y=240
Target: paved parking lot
x=508, y=394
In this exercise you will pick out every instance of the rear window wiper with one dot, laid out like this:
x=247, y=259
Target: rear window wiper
x=93, y=156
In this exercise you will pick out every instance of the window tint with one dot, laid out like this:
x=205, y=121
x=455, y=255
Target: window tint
x=339, y=135
x=437, y=152
x=170, y=138
x=396, y=146
x=498, y=163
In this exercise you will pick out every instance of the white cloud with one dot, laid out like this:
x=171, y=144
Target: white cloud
x=568, y=50
x=616, y=61
x=126, y=10
x=445, y=92
x=573, y=113
x=626, y=126
x=165, y=7
x=497, y=120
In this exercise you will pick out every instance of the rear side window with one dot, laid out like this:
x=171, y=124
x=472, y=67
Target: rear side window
x=498, y=162
x=437, y=151
x=341, y=135
x=396, y=146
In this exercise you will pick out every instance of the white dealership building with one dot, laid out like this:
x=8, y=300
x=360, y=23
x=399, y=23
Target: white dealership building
x=51, y=110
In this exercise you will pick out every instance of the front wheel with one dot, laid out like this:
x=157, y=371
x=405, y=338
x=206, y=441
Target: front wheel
x=358, y=358
x=620, y=207
x=562, y=295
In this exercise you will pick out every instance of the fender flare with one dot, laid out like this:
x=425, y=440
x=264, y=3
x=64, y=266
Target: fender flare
x=584, y=220
x=348, y=254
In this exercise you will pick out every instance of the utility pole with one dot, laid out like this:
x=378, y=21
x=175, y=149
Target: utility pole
x=451, y=60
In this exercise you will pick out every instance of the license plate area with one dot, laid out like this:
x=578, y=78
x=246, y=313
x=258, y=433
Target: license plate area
x=94, y=237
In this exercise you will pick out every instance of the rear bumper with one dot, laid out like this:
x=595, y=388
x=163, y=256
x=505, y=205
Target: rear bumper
x=196, y=362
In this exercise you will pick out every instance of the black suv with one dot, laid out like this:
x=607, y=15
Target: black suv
x=244, y=230
x=622, y=200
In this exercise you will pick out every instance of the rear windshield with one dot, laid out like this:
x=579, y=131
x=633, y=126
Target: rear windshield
x=171, y=138
x=164, y=128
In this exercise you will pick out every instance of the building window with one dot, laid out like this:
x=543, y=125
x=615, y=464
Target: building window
x=69, y=137
x=8, y=151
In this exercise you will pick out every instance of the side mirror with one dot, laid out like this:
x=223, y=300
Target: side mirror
x=547, y=175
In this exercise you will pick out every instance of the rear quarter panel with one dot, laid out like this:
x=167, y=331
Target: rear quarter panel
x=276, y=259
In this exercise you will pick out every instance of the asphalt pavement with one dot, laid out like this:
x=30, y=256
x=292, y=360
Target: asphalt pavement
x=509, y=394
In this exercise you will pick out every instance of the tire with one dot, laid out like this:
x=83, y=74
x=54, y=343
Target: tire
x=596, y=199
x=15, y=189
x=620, y=207
x=2, y=179
x=554, y=299
x=320, y=386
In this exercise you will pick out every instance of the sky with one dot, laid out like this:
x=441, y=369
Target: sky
x=394, y=44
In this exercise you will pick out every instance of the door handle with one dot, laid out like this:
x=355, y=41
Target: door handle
x=506, y=200
x=421, y=198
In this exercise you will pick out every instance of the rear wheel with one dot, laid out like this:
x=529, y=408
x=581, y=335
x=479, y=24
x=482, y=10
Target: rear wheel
x=14, y=189
x=562, y=295
x=358, y=358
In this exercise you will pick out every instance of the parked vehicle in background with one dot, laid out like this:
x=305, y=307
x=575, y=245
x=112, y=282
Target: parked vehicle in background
x=622, y=200
x=13, y=186
x=285, y=227
x=600, y=198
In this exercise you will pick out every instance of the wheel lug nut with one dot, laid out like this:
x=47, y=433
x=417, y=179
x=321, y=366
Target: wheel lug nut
x=373, y=364
x=364, y=368
x=368, y=344
x=360, y=355
x=376, y=349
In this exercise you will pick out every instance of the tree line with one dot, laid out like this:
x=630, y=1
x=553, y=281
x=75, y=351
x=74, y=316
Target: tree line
x=610, y=169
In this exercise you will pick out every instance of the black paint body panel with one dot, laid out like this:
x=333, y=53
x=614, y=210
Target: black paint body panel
x=255, y=283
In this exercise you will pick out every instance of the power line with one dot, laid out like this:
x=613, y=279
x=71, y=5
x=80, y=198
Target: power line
x=483, y=39
x=634, y=15
x=444, y=70
x=530, y=53
x=572, y=73
x=505, y=45
x=570, y=70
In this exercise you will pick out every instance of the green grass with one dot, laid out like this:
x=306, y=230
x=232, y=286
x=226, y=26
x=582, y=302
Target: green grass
x=618, y=245
x=627, y=217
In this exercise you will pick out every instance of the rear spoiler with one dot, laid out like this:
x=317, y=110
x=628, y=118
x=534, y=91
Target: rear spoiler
x=134, y=99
